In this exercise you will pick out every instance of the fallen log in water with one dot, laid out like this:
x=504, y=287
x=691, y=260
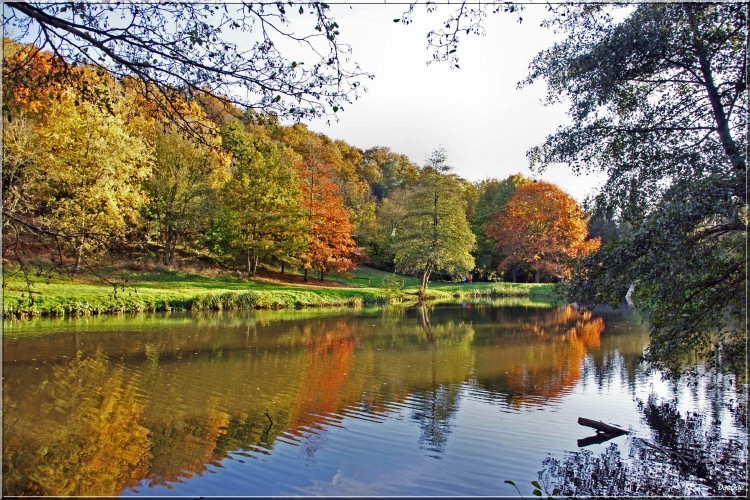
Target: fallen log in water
x=598, y=438
x=601, y=426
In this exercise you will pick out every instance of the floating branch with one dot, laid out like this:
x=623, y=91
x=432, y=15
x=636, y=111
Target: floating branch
x=602, y=427
x=604, y=432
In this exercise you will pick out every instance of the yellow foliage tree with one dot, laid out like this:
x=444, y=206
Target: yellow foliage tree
x=88, y=171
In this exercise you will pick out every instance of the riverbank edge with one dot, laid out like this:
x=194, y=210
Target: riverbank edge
x=129, y=300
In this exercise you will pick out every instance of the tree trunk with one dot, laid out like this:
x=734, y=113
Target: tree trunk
x=305, y=277
x=167, y=256
x=601, y=426
x=282, y=267
x=168, y=225
x=254, y=264
x=514, y=273
x=720, y=117
x=79, y=256
x=426, y=323
x=537, y=276
x=321, y=275
x=423, y=285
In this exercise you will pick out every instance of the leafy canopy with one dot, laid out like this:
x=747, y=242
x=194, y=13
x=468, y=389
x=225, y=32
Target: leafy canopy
x=191, y=48
x=434, y=235
x=659, y=103
x=542, y=228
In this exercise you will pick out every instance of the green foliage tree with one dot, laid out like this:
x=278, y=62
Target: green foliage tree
x=390, y=214
x=659, y=102
x=182, y=187
x=434, y=234
x=264, y=217
x=386, y=171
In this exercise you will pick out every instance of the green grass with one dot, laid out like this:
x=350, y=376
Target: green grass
x=367, y=276
x=181, y=291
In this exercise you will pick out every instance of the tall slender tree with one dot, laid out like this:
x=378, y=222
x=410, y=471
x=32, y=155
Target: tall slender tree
x=434, y=234
x=330, y=245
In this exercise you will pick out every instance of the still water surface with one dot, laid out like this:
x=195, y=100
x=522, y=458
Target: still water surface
x=450, y=400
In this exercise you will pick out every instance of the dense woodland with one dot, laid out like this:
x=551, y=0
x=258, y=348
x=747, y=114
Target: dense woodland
x=142, y=144
x=105, y=175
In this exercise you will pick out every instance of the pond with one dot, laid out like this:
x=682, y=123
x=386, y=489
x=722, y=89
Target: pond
x=452, y=399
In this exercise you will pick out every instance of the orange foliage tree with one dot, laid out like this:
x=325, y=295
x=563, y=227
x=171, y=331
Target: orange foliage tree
x=541, y=228
x=29, y=81
x=329, y=229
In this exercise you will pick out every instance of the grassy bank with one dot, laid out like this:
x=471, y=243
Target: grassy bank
x=175, y=291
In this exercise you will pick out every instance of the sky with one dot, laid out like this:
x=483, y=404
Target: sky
x=476, y=112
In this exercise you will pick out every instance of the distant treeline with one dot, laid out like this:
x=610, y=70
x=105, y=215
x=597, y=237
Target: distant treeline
x=92, y=168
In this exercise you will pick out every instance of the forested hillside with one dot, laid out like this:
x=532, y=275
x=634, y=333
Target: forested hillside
x=93, y=170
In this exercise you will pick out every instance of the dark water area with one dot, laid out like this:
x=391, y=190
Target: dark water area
x=454, y=399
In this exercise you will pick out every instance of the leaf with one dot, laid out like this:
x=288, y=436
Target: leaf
x=510, y=482
x=535, y=484
x=537, y=493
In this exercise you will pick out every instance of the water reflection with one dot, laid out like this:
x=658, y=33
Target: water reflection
x=539, y=358
x=435, y=406
x=105, y=406
x=686, y=454
x=82, y=434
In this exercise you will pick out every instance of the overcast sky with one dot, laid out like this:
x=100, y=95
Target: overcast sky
x=476, y=112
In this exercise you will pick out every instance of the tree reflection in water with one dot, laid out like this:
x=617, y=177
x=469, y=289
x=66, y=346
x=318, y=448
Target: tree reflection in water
x=166, y=405
x=685, y=456
x=438, y=405
x=86, y=440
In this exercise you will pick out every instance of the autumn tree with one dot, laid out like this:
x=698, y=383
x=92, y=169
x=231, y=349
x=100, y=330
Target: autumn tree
x=434, y=235
x=355, y=191
x=193, y=47
x=265, y=214
x=81, y=170
x=342, y=162
x=543, y=229
x=29, y=81
x=493, y=196
x=330, y=245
